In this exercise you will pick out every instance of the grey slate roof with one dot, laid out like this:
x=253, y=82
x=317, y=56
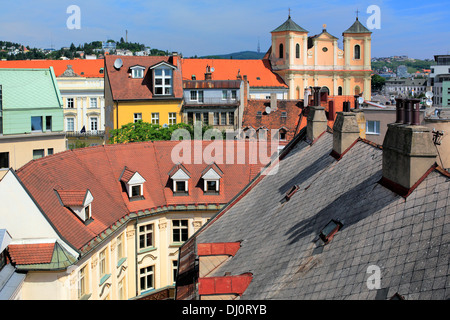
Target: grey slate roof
x=357, y=27
x=289, y=25
x=408, y=239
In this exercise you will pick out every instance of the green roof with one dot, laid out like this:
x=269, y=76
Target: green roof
x=289, y=25
x=29, y=88
x=357, y=27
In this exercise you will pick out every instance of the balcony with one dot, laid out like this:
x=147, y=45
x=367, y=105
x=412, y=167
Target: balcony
x=209, y=101
x=96, y=133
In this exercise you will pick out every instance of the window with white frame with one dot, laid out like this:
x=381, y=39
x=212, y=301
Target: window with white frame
x=70, y=124
x=193, y=95
x=69, y=103
x=224, y=94
x=223, y=118
x=137, y=72
x=93, y=123
x=93, y=102
x=120, y=248
x=155, y=118
x=147, y=277
x=146, y=237
x=163, y=81
x=102, y=264
x=82, y=282
x=172, y=118
x=137, y=117
x=233, y=94
x=179, y=230
x=372, y=127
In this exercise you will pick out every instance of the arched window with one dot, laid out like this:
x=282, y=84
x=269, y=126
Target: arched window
x=339, y=91
x=282, y=134
x=357, y=90
x=297, y=51
x=357, y=52
x=281, y=51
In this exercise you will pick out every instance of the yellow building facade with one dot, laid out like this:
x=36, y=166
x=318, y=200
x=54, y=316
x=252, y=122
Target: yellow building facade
x=309, y=61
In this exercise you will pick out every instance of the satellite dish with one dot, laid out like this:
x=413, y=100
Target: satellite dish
x=212, y=69
x=118, y=63
x=165, y=125
x=429, y=103
x=268, y=110
x=429, y=94
x=360, y=100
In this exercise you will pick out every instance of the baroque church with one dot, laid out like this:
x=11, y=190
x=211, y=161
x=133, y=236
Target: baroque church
x=309, y=61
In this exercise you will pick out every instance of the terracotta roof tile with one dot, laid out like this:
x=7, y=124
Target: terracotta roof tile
x=72, y=198
x=22, y=254
x=84, y=68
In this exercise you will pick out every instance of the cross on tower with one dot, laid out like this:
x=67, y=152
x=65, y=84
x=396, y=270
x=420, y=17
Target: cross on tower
x=289, y=12
x=357, y=12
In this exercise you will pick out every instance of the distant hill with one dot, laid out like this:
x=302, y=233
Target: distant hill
x=242, y=55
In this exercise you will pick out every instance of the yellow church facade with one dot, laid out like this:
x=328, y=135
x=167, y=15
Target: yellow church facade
x=309, y=61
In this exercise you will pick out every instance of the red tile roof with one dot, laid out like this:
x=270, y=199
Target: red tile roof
x=23, y=254
x=84, y=68
x=127, y=175
x=258, y=72
x=99, y=169
x=72, y=198
x=125, y=88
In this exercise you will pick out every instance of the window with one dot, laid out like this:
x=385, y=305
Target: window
x=38, y=153
x=198, y=117
x=206, y=118
x=224, y=94
x=211, y=186
x=146, y=276
x=102, y=264
x=82, y=282
x=339, y=91
x=357, y=90
x=372, y=127
x=120, y=248
x=93, y=103
x=155, y=118
x=136, y=191
x=1, y=98
x=50, y=151
x=4, y=160
x=69, y=103
x=231, y=118
x=280, y=54
x=284, y=114
x=200, y=96
x=190, y=117
x=216, y=118
x=179, y=230
x=87, y=213
x=282, y=133
x=70, y=124
x=357, y=52
x=121, y=289
x=137, y=72
x=223, y=118
x=233, y=94
x=137, y=117
x=193, y=95
x=330, y=230
x=94, y=123
x=174, y=269
x=163, y=81
x=297, y=51
x=172, y=118
x=48, y=123
x=36, y=124
x=181, y=186
x=146, y=236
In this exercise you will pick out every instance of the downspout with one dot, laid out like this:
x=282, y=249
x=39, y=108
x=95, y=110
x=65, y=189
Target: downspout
x=136, y=250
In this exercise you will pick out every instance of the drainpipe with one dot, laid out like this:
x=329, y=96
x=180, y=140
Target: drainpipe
x=136, y=250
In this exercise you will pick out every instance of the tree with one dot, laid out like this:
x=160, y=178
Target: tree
x=377, y=82
x=144, y=131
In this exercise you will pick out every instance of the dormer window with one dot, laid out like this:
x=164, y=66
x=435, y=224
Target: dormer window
x=78, y=201
x=134, y=184
x=163, y=78
x=180, y=178
x=211, y=179
x=137, y=72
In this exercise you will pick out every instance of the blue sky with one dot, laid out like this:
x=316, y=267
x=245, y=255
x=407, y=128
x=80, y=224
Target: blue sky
x=415, y=28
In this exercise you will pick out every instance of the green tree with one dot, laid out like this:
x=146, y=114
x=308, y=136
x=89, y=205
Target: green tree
x=377, y=82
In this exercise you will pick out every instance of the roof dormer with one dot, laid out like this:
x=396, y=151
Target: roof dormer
x=211, y=179
x=137, y=72
x=162, y=78
x=78, y=201
x=134, y=184
x=180, y=177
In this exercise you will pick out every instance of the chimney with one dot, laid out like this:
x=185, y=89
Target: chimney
x=273, y=102
x=345, y=132
x=316, y=96
x=408, y=149
x=316, y=122
x=361, y=120
x=208, y=74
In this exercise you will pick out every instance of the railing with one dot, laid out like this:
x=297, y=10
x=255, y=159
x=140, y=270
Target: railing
x=94, y=133
x=218, y=101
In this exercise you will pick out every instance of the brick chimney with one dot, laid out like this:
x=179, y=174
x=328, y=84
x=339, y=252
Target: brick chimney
x=345, y=132
x=273, y=101
x=408, y=149
x=208, y=74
